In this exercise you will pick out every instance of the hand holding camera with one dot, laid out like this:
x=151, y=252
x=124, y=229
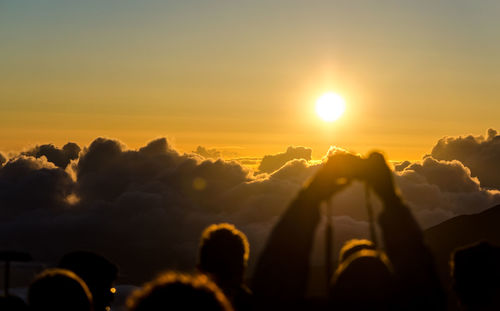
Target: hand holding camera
x=342, y=168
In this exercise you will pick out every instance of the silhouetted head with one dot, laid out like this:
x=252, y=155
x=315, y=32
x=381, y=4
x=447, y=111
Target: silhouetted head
x=352, y=246
x=175, y=291
x=98, y=273
x=363, y=281
x=224, y=253
x=476, y=276
x=12, y=303
x=59, y=290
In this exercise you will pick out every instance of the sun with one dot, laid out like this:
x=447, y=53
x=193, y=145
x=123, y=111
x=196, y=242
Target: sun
x=330, y=107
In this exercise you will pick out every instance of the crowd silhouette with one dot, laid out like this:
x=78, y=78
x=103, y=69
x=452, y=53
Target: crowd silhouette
x=398, y=274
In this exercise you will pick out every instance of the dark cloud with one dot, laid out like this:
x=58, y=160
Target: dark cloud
x=106, y=171
x=251, y=162
x=3, y=158
x=398, y=167
x=146, y=208
x=140, y=207
x=437, y=190
x=271, y=163
x=480, y=154
x=27, y=184
x=60, y=157
x=449, y=176
x=208, y=153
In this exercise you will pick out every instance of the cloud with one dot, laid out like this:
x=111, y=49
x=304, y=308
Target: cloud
x=437, y=190
x=146, y=208
x=208, y=153
x=449, y=176
x=141, y=202
x=106, y=170
x=30, y=184
x=478, y=153
x=3, y=159
x=271, y=163
x=60, y=157
x=398, y=167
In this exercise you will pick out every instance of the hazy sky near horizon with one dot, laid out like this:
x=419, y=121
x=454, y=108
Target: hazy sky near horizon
x=243, y=76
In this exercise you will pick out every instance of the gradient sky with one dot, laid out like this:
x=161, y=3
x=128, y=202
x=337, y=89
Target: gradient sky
x=243, y=76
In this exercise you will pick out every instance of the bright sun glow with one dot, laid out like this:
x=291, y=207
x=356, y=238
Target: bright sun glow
x=330, y=107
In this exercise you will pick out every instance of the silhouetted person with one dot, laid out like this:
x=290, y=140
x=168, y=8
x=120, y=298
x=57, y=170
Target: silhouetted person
x=476, y=276
x=59, y=290
x=174, y=291
x=98, y=273
x=360, y=260
x=280, y=278
x=364, y=281
x=12, y=303
x=223, y=256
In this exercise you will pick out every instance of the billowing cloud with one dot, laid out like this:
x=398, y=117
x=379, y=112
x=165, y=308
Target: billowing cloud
x=449, y=176
x=208, y=153
x=480, y=154
x=3, y=158
x=438, y=190
x=146, y=208
x=60, y=157
x=271, y=163
x=398, y=167
x=30, y=184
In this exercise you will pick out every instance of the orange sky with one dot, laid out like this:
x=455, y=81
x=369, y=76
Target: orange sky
x=244, y=77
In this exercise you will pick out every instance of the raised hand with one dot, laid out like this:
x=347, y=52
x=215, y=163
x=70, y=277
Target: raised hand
x=335, y=175
x=379, y=177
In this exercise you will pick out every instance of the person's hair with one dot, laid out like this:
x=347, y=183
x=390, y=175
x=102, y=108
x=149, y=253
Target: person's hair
x=352, y=246
x=176, y=291
x=475, y=271
x=363, y=281
x=59, y=289
x=224, y=251
x=98, y=273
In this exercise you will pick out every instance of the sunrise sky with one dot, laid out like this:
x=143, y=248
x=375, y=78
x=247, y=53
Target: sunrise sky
x=243, y=76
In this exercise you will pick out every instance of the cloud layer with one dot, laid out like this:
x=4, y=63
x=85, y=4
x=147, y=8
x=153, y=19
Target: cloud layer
x=146, y=208
x=480, y=154
x=438, y=190
x=271, y=163
x=60, y=157
x=208, y=153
